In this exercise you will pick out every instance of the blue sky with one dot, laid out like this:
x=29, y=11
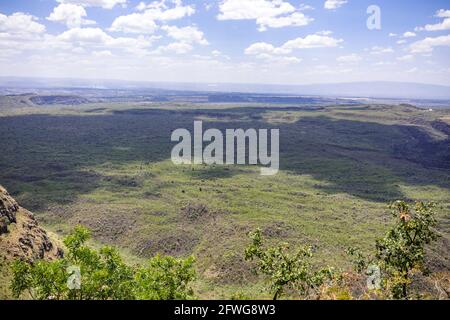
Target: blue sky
x=240, y=41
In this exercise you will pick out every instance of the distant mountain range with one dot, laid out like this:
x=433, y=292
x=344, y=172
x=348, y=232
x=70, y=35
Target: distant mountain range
x=379, y=89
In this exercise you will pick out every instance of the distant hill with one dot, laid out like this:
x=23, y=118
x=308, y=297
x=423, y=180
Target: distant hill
x=380, y=89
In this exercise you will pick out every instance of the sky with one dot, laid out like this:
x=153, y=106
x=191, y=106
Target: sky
x=227, y=41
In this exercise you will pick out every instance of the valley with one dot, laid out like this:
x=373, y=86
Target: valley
x=106, y=165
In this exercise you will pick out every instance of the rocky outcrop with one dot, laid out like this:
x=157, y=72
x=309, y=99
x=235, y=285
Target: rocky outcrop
x=8, y=209
x=20, y=235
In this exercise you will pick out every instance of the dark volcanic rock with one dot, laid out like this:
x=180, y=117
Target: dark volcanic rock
x=27, y=240
x=8, y=209
x=61, y=99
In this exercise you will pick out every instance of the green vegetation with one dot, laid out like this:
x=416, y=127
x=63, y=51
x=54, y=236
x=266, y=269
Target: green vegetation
x=285, y=269
x=401, y=253
x=103, y=275
x=107, y=166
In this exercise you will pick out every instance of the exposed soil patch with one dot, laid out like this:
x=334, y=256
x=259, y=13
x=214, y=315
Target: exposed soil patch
x=231, y=269
x=195, y=211
x=178, y=245
x=278, y=229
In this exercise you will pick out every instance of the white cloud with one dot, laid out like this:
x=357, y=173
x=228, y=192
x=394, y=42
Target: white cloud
x=190, y=34
x=85, y=35
x=409, y=34
x=380, y=50
x=443, y=13
x=160, y=10
x=427, y=45
x=176, y=47
x=106, y=4
x=352, y=58
x=102, y=54
x=278, y=59
x=392, y=34
x=384, y=63
x=265, y=48
x=267, y=51
x=70, y=14
x=334, y=4
x=19, y=24
x=146, y=21
x=266, y=13
x=134, y=23
x=402, y=41
x=408, y=57
x=309, y=42
x=96, y=39
x=325, y=33
x=444, y=25
x=312, y=41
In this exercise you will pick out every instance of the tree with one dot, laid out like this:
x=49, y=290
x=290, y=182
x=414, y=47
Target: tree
x=165, y=278
x=285, y=269
x=401, y=252
x=103, y=275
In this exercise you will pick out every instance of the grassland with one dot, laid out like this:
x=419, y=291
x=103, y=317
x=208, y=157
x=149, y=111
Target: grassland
x=107, y=166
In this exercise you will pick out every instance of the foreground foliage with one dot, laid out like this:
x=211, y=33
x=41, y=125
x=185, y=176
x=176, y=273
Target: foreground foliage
x=401, y=253
x=87, y=274
x=284, y=269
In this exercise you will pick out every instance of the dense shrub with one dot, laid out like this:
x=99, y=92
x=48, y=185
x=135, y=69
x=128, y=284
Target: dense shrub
x=102, y=275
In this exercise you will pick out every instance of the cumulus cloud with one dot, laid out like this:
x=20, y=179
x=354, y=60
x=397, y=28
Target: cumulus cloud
x=334, y=4
x=20, y=24
x=265, y=48
x=96, y=39
x=190, y=34
x=175, y=47
x=266, y=13
x=268, y=51
x=352, y=58
x=444, y=25
x=145, y=22
x=19, y=32
x=443, y=13
x=308, y=42
x=408, y=57
x=409, y=34
x=70, y=14
x=325, y=32
x=381, y=50
x=160, y=10
x=428, y=44
x=106, y=4
x=312, y=41
x=134, y=23
x=185, y=38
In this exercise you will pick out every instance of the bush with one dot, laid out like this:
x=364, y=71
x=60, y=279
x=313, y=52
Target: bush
x=401, y=252
x=285, y=269
x=102, y=275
